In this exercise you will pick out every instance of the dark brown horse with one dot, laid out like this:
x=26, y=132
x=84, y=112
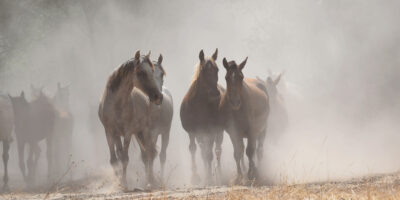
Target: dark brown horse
x=199, y=114
x=6, y=127
x=34, y=122
x=154, y=118
x=62, y=139
x=244, y=111
x=117, y=114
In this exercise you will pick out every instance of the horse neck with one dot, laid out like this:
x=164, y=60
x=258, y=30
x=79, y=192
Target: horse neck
x=199, y=88
x=243, y=94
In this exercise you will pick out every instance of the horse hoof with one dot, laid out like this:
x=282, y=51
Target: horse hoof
x=238, y=180
x=124, y=184
x=195, y=179
x=252, y=175
x=152, y=186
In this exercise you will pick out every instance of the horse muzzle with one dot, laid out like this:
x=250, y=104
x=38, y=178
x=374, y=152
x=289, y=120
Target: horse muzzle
x=235, y=105
x=157, y=98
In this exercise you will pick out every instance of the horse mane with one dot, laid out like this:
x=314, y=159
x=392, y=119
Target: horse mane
x=119, y=74
x=196, y=73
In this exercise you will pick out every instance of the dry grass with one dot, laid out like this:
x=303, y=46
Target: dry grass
x=373, y=187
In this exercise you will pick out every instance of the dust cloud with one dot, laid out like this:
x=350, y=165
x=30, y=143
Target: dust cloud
x=341, y=61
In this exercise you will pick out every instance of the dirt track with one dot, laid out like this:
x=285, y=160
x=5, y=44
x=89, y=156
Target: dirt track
x=373, y=187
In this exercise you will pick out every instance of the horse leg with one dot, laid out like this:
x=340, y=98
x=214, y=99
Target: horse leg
x=6, y=148
x=163, y=152
x=238, y=151
x=251, y=147
x=207, y=155
x=49, y=152
x=21, y=159
x=148, y=153
x=118, y=146
x=151, y=152
x=36, y=153
x=111, y=146
x=192, y=149
x=30, y=163
x=243, y=163
x=260, y=146
x=218, y=151
x=125, y=158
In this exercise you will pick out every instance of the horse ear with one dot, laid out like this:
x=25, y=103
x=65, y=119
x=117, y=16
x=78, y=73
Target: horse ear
x=225, y=63
x=148, y=55
x=276, y=81
x=22, y=94
x=241, y=66
x=137, y=55
x=201, y=56
x=215, y=55
x=160, y=59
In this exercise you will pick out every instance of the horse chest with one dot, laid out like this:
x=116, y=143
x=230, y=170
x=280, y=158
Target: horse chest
x=238, y=123
x=206, y=114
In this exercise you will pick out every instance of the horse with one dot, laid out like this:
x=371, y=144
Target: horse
x=117, y=114
x=244, y=110
x=62, y=139
x=6, y=127
x=160, y=116
x=278, y=119
x=199, y=115
x=34, y=122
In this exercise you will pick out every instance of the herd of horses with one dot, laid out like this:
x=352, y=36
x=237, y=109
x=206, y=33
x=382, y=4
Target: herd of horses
x=136, y=105
x=43, y=118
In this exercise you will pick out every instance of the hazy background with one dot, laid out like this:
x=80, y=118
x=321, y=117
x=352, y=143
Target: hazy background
x=341, y=60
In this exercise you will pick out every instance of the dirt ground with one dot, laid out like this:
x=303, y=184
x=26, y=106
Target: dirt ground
x=385, y=186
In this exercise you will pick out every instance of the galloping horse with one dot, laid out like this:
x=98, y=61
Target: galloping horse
x=117, y=114
x=278, y=119
x=157, y=118
x=34, y=122
x=62, y=139
x=6, y=127
x=199, y=114
x=244, y=110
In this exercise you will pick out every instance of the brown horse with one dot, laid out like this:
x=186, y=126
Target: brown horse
x=62, y=139
x=154, y=118
x=278, y=119
x=6, y=127
x=244, y=111
x=117, y=114
x=199, y=114
x=34, y=122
